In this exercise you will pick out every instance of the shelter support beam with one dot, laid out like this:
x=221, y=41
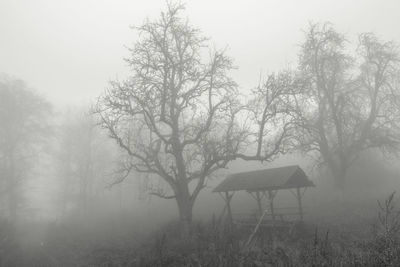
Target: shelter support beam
x=258, y=197
x=271, y=196
x=299, y=196
x=228, y=206
x=227, y=198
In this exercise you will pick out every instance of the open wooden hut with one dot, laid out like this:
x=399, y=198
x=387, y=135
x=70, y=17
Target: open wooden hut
x=264, y=185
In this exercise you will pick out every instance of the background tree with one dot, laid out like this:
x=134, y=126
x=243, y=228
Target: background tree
x=84, y=158
x=178, y=116
x=23, y=128
x=350, y=101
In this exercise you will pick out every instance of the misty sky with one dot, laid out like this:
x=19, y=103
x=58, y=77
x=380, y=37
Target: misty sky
x=68, y=50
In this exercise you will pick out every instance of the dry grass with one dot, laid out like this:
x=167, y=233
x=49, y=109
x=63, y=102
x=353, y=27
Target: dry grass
x=211, y=244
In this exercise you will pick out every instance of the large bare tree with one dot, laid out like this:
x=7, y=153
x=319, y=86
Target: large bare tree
x=178, y=116
x=350, y=100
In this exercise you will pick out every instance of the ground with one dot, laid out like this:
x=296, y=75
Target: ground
x=345, y=238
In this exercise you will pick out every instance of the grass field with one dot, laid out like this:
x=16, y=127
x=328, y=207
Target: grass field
x=345, y=238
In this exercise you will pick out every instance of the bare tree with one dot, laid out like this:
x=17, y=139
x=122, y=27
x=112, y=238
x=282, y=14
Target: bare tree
x=23, y=127
x=179, y=118
x=64, y=164
x=83, y=158
x=349, y=102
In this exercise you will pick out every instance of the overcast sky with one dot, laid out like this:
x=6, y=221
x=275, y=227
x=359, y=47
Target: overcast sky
x=68, y=50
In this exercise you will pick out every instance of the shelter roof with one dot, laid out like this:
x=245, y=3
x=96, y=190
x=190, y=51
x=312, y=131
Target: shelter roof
x=268, y=179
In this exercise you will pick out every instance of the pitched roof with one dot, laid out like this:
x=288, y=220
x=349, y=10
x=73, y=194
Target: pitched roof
x=267, y=179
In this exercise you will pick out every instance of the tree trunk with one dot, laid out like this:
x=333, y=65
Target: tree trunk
x=337, y=171
x=340, y=182
x=11, y=189
x=12, y=205
x=339, y=177
x=185, y=208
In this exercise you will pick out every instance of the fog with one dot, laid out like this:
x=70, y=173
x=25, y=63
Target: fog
x=118, y=119
x=69, y=50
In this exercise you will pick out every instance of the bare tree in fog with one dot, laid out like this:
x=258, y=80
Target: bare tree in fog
x=350, y=102
x=23, y=127
x=83, y=159
x=64, y=165
x=178, y=116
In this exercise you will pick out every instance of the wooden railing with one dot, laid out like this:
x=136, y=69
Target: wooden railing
x=283, y=216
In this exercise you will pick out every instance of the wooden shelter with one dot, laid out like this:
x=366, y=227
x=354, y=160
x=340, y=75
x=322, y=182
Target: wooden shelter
x=264, y=184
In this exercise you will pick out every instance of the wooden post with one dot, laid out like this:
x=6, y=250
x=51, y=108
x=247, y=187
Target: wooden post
x=260, y=218
x=299, y=203
x=259, y=204
x=228, y=206
x=271, y=204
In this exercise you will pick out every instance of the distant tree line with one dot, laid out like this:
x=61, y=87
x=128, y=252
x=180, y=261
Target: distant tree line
x=24, y=127
x=66, y=147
